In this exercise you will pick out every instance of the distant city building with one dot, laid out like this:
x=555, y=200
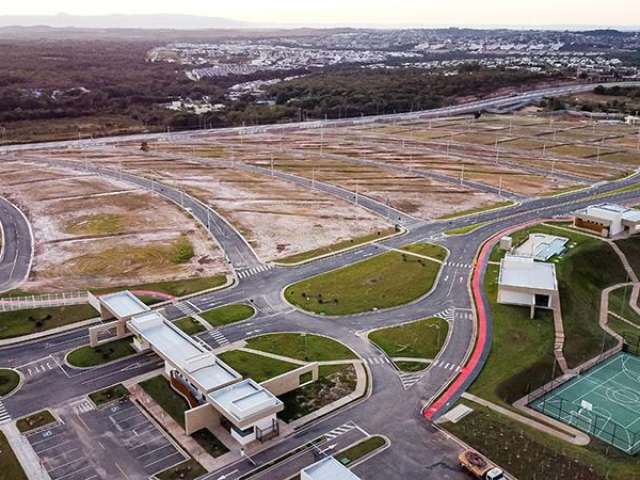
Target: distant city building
x=632, y=120
x=525, y=282
x=608, y=220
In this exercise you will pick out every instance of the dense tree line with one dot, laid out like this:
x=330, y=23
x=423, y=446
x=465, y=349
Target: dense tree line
x=353, y=92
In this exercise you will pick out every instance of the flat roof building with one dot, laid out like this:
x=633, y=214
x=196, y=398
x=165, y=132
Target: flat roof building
x=523, y=281
x=608, y=220
x=327, y=469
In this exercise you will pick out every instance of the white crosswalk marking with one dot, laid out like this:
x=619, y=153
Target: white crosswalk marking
x=253, y=271
x=341, y=430
x=187, y=308
x=410, y=379
x=4, y=415
x=82, y=406
x=219, y=337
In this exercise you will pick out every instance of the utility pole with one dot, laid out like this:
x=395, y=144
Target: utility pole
x=544, y=151
x=462, y=175
x=272, y=174
x=357, y=184
x=500, y=188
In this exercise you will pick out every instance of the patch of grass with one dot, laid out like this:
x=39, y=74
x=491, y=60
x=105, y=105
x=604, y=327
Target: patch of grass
x=210, y=443
x=411, y=367
x=336, y=247
x=228, y=314
x=532, y=455
x=189, y=326
x=25, y=322
x=37, y=420
x=11, y=468
x=188, y=470
x=582, y=275
x=182, y=250
x=630, y=333
x=619, y=303
x=100, y=224
x=307, y=348
x=92, y=356
x=361, y=449
x=383, y=281
x=631, y=249
x=171, y=402
x=464, y=230
x=334, y=382
x=422, y=339
x=426, y=249
x=482, y=208
x=9, y=380
x=109, y=394
x=254, y=366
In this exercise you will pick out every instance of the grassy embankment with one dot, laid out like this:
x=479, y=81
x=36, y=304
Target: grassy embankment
x=383, y=281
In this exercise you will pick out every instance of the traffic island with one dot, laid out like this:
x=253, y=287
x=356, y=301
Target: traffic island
x=384, y=281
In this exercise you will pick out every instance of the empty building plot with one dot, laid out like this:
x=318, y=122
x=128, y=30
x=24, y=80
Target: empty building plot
x=278, y=218
x=91, y=232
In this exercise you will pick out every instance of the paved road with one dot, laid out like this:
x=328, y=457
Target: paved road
x=417, y=451
x=17, y=246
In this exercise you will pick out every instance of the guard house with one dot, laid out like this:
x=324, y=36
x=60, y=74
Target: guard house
x=327, y=469
x=523, y=281
x=608, y=220
x=216, y=393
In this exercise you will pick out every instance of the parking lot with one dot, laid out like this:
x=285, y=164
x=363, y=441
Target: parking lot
x=111, y=443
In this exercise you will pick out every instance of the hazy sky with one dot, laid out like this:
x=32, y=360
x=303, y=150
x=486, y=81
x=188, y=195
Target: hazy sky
x=380, y=12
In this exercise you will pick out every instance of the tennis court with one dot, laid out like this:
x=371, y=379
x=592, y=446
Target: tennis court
x=603, y=401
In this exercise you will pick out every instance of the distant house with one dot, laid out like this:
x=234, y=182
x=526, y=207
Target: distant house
x=608, y=220
x=525, y=282
x=632, y=120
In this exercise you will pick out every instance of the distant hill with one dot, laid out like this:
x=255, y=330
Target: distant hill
x=159, y=21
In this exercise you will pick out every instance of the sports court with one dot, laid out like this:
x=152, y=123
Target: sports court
x=603, y=401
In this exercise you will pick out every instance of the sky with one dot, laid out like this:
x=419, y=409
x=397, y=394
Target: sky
x=361, y=12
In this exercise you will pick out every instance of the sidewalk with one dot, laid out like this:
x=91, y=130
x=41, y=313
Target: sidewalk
x=24, y=453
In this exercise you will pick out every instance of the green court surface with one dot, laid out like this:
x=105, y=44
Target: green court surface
x=603, y=401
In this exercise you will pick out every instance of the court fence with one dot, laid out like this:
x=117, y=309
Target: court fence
x=603, y=428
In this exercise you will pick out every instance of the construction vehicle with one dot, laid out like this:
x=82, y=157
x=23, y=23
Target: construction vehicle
x=480, y=467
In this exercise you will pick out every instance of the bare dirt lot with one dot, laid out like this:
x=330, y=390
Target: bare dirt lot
x=91, y=232
x=278, y=218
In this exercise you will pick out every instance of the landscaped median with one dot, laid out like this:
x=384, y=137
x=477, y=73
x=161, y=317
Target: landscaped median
x=9, y=380
x=86, y=357
x=26, y=322
x=35, y=421
x=384, y=281
x=412, y=345
x=228, y=314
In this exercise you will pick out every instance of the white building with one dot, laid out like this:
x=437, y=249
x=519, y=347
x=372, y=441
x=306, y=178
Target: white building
x=327, y=469
x=632, y=120
x=523, y=281
x=216, y=393
x=608, y=220
x=541, y=247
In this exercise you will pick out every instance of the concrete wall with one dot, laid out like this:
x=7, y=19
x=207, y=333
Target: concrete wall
x=291, y=380
x=95, y=331
x=204, y=416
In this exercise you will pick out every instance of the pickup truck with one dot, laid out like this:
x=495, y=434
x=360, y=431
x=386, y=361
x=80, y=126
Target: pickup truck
x=480, y=467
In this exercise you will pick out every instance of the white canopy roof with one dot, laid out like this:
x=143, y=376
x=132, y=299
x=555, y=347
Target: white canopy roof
x=524, y=272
